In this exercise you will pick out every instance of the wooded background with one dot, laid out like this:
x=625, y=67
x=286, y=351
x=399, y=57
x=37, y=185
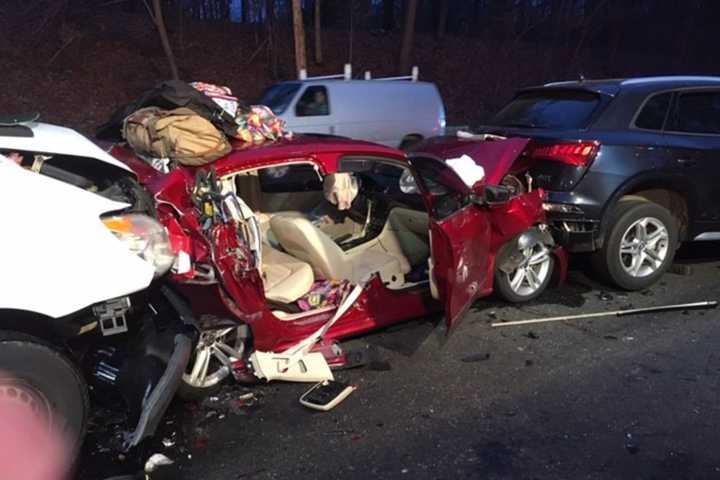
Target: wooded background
x=76, y=60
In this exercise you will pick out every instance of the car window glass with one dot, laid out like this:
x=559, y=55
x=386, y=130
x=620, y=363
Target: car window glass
x=698, y=112
x=447, y=192
x=549, y=109
x=279, y=96
x=290, y=178
x=314, y=102
x=652, y=115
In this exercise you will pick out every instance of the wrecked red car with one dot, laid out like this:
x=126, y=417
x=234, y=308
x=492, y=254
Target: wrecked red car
x=327, y=238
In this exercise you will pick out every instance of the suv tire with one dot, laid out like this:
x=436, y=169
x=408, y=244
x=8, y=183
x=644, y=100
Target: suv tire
x=648, y=236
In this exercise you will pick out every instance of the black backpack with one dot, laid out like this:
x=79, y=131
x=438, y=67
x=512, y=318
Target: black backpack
x=170, y=95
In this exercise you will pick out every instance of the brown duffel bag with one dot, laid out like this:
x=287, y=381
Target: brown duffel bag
x=178, y=134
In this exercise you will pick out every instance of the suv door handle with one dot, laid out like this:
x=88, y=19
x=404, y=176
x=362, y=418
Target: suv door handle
x=686, y=162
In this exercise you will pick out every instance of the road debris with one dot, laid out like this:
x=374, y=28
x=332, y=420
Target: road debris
x=615, y=313
x=327, y=395
x=681, y=269
x=155, y=461
x=477, y=357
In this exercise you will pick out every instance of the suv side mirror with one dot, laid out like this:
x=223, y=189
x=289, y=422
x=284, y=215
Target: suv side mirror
x=496, y=194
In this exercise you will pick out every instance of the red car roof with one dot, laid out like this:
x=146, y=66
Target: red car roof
x=302, y=146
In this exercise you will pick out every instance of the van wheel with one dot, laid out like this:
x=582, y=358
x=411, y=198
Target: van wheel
x=410, y=142
x=639, y=246
x=34, y=373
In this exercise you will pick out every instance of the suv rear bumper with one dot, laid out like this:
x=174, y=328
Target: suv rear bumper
x=576, y=235
x=572, y=227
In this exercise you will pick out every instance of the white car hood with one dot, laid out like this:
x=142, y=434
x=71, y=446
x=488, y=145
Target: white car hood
x=52, y=139
x=57, y=256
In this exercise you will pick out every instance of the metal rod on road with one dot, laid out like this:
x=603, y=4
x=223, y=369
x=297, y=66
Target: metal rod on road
x=616, y=313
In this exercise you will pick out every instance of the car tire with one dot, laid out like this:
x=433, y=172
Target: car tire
x=511, y=292
x=45, y=379
x=645, y=256
x=197, y=382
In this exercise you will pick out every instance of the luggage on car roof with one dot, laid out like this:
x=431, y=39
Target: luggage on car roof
x=178, y=134
x=170, y=95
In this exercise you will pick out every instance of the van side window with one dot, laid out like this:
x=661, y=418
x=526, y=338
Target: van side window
x=697, y=112
x=313, y=103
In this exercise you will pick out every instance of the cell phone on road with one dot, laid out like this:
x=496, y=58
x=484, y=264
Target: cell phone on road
x=326, y=395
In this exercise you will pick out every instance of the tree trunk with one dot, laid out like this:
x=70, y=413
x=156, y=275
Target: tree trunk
x=388, y=13
x=442, y=19
x=160, y=24
x=299, y=34
x=318, y=34
x=408, y=36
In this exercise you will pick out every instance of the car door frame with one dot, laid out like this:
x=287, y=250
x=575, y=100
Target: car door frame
x=459, y=243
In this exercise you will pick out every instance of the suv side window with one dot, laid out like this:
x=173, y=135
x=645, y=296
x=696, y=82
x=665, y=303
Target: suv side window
x=313, y=103
x=697, y=112
x=653, y=112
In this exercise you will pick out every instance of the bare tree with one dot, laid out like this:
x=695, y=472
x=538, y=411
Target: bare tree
x=157, y=17
x=408, y=35
x=444, y=8
x=318, y=34
x=299, y=34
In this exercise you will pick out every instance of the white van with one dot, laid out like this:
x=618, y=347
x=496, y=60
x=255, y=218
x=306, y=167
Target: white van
x=397, y=113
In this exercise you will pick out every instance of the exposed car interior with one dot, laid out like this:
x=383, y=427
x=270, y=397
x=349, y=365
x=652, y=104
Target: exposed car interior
x=344, y=226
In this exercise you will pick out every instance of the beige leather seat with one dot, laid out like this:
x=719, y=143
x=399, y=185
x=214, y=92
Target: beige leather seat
x=285, y=278
x=300, y=238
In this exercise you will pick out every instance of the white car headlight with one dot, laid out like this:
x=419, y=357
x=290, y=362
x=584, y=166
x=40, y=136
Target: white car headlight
x=145, y=237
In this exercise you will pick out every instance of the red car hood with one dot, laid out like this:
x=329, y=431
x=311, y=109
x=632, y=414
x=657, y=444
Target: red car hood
x=495, y=156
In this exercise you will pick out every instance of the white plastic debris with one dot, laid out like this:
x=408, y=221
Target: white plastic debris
x=155, y=461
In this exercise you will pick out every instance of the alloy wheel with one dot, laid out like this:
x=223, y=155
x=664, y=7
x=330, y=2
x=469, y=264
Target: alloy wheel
x=214, y=356
x=532, y=272
x=644, y=247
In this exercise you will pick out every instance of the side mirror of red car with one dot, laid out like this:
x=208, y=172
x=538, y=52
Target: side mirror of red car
x=493, y=195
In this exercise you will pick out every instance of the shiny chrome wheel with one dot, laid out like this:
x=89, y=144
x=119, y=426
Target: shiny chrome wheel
x=532, y=273
x=214, y=356
x=644, y=247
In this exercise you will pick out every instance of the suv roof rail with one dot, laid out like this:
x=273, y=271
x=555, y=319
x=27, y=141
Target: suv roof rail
x=347, y=75
x=670, y=78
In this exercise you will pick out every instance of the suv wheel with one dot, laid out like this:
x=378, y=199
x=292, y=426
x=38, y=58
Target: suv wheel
x=640, y=245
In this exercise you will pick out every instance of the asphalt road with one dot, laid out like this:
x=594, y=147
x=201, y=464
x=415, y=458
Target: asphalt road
x=633, y=397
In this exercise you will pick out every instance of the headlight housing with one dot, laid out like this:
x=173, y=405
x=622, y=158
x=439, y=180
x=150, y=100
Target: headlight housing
x=145, y=237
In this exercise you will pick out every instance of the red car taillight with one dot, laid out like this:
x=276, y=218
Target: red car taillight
x=577, y=154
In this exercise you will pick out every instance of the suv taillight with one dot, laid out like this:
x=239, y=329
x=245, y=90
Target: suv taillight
x=577, y=154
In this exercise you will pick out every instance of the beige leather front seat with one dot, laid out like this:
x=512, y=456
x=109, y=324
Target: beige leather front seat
x=300, y=238
x=285, y=278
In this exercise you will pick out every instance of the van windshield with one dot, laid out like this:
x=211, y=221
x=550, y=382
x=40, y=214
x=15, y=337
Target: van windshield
x=549, y=109
x=279, y=96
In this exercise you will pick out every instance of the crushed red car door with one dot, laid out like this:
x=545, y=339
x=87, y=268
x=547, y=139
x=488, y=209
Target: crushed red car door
x=459, y=235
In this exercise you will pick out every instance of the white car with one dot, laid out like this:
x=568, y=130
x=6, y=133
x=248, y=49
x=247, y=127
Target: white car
x=80, y=302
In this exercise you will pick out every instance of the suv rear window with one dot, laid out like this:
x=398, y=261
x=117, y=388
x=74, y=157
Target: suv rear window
x=549, y=109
